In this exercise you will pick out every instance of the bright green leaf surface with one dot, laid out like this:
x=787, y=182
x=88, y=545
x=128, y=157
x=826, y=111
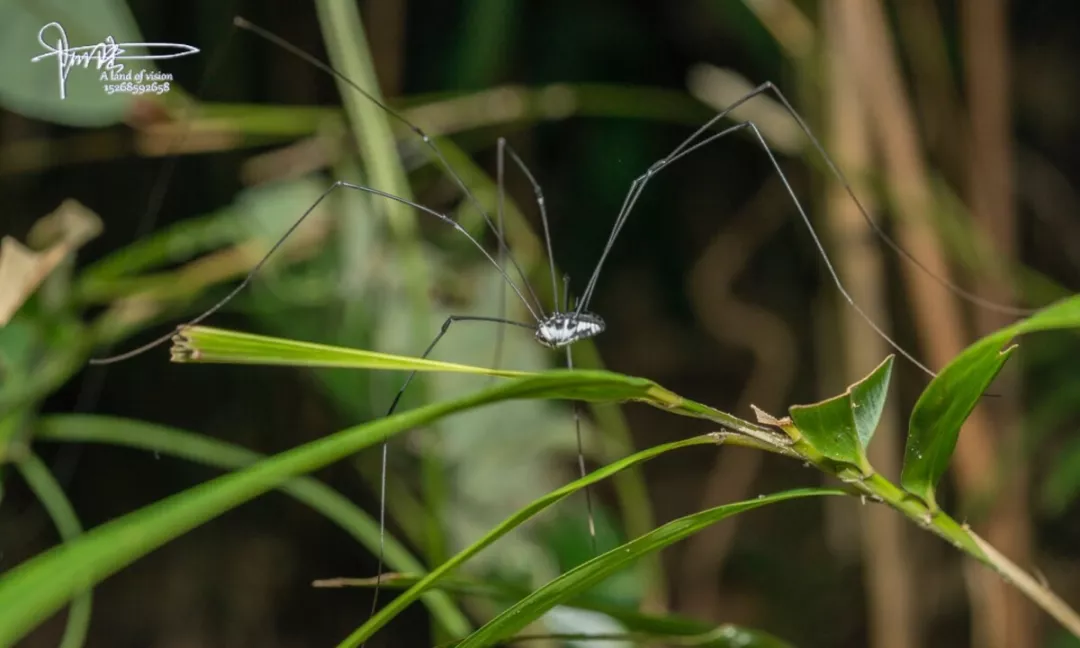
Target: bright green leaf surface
x=842, y=426
x=201, y=344
x=830, y=427
x=572, y=583
x=868, y=400
x=950, y=397
x=204, y=344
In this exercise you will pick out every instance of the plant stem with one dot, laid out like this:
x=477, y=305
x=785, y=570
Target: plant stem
x=963, y=538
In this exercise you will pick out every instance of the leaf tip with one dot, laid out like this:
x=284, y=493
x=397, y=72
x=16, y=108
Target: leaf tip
x=182, y=349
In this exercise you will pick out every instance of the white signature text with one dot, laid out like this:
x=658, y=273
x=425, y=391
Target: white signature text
x=105, y=55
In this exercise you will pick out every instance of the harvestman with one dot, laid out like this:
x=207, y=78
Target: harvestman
x=562, y=328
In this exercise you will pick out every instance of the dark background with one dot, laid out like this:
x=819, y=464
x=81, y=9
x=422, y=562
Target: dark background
x=800, y=570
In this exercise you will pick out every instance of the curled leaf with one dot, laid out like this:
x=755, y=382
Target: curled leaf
x=59, y=234
x=841, y=427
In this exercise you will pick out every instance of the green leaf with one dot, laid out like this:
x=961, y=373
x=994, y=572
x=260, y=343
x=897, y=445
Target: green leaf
x=35, y=589
x=20, y=342
x=577, y=580
x=33, y=88
x=198, y=344
x=1061, y=485
x=841, y=427
x=202, y=344
x=868, y=400
x=652, y=627
x=949, y=398
x=337, y=508
x=364, y=632
x=59, y=508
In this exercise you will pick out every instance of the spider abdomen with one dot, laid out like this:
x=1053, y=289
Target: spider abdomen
x=561, y=329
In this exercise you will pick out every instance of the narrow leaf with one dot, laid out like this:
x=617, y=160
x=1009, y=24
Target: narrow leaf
x=654, y=627
x=56, y=504
x=37, y=588
x=199, y=344
x=937, y=418
x=391, y=610
x=202, y=344
x=579, y=579
x=950, y=397
x=84, y=428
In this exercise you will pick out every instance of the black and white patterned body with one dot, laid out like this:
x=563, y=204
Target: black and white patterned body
x=562, y=329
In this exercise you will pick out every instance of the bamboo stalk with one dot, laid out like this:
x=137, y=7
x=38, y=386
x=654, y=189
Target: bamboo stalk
x=888, y=572
x=991, y=198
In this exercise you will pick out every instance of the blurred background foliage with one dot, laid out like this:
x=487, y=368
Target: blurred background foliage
x=954, y=119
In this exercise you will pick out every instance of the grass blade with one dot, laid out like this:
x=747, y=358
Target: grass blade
x=194, y=447
x=59, y=508
x=206, y=345
x=427, y=582
x=577, y=580
x=668, y=628
x=37, y=588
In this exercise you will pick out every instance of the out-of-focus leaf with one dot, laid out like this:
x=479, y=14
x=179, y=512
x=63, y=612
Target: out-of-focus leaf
x=1063, y=639
x=34, y=590
x=33, y=88
x=18, y=342
x=56, y=504
x=842, y=426
x=1062, y=483
x=656, y=626
x=194, y=447
x=946, y=403
x=252, y=224
x=719, y=88
x=58, y=234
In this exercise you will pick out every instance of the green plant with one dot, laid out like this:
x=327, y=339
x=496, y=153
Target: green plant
x=831, y=435
x=170, y=272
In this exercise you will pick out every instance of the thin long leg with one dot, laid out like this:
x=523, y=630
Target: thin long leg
x=427, y=139
x=385, y=446
x=637, y=185
x=500, y=197
x=576, y=407
x=539, y=193
x=95, y=379
x=251, y=274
